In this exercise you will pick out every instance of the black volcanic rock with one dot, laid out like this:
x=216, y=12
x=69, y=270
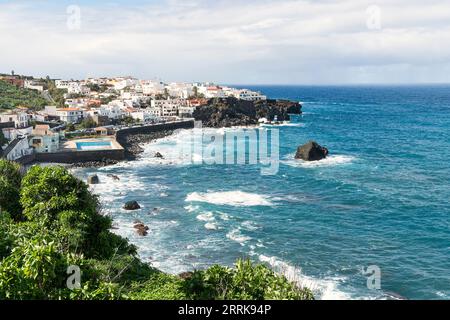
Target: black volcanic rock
x=311, y=151
x=94, y=179
x=132, y=205
x=141, y=229
x=218, y=113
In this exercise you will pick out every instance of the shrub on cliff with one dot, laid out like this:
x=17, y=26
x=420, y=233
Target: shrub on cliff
x=245, y=282
x=62, y=202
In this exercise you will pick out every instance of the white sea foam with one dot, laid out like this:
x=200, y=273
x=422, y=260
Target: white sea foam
x=237, y=236
x=207, y=216
x=324, y=289
x=224, y=216
x=231, y=198
x=250, y=225
x=211, y=226
x=292, y=124
x=191, y=208
x=330, y=161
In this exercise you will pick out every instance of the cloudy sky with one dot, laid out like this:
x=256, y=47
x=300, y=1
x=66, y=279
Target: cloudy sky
x=232, y=41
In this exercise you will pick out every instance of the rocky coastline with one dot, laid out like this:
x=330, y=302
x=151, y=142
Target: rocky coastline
x=217, y=113
x=133, y=143
x=231, y=112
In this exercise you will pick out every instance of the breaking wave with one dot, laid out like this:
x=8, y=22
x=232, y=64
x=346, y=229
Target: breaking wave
x=230, y=198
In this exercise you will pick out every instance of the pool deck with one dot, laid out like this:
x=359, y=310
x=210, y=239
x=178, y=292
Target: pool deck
x=71, y=145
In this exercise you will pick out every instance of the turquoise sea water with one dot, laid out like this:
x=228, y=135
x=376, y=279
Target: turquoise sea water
x=381, y=199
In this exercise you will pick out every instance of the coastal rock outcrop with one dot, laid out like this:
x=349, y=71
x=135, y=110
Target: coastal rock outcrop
x=114, y=177
x=94, y=179
x=132, y=143
x=228, y=112
x=141, y=229
x=159, y=155
x=311, y=151
x=132, y=205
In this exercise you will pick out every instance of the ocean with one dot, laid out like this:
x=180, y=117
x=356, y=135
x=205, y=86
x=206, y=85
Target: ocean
x=379, y=202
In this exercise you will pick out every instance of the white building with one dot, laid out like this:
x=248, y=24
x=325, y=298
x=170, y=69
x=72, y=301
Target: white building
x=150, y=87
x=143, y=115
x=111, y=111
x=168, y=108
x=186, y=111
x=77, y=103
x=70, y=115
x=62, y=84
x=20, y=119
x=14, y=133
x=180, y=90
x=212, y=91
x=44, y=140
x=17, y=149
x=34, y=85
x=78, y=88
x=124, y=83
x=98, y=81
x=249, y=95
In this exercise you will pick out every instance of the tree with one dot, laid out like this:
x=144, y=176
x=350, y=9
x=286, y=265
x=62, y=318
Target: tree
x=88, y=123
x=10, y=180
x=70, y=127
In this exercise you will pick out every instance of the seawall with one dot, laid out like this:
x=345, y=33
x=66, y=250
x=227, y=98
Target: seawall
x=188, y=124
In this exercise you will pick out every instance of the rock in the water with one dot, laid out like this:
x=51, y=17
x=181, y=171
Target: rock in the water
x=93, y=179
x=131, y=205
x=311, y=151
x=159, y=155
x=141, y=229
x=114, y=177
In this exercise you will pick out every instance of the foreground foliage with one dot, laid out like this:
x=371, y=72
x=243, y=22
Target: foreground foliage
x=50, y=221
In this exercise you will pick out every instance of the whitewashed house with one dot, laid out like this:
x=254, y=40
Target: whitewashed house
x=33, y=85
x=62, y=84
x=168, y=108
x=44, y=140
x=78, y=88
x=20, y=119
x=151, y=88
x=70, y=115
x=143, y=115
x=17, y=149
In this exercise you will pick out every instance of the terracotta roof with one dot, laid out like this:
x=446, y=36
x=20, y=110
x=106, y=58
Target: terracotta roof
x=69, y=109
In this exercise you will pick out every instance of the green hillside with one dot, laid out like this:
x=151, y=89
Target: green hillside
x=11, y=97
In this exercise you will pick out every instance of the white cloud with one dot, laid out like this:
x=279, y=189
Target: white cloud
x=232, y=41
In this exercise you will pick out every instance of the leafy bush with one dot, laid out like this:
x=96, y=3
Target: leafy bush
x=62, y=202
x=10, y=179
x=245, y=282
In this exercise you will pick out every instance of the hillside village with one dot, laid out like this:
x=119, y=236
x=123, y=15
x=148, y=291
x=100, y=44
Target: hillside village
x=61, y=110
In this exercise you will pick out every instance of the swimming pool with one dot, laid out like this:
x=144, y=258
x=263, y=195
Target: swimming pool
x=94, y=145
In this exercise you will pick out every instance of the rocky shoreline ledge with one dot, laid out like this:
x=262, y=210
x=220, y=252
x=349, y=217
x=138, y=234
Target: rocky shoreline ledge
x=133, y=143
x=231, y=112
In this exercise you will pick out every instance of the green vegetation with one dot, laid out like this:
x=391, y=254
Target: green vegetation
x=56, y=94
x=49, y=221
x=88, y=123
x=12, y=97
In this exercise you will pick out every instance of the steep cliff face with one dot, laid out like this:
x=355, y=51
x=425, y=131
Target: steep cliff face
x=233, y=112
